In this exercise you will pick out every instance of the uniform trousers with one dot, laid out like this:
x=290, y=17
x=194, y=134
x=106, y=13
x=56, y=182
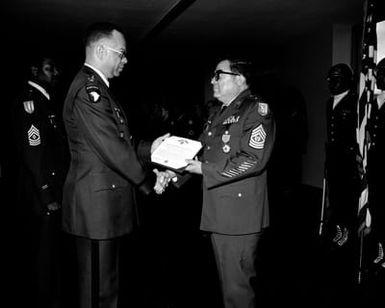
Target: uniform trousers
x=343, y=187
x=48, y=261
x=98, y=272
x=235, y=257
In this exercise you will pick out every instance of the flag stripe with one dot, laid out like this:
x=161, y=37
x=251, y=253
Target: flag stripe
x=366, y=99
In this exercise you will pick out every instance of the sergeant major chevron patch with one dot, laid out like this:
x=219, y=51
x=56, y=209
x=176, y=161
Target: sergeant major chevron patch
x=33, y=136
x=257, y=138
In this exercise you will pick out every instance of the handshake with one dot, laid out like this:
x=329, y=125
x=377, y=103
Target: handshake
x=183, y=146
x=163, y=178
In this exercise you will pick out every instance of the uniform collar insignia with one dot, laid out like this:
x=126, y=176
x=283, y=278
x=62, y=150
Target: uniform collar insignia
x=100, y=74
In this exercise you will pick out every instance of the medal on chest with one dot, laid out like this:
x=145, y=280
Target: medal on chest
x=226, y=139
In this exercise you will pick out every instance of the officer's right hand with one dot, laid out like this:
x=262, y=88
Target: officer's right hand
x=194, y=166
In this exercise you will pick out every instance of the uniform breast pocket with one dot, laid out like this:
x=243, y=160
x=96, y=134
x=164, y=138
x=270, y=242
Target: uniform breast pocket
x=235, y=130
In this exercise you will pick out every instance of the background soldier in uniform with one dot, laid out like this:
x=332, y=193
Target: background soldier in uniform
x=238, y=142
x=43, y=158
x=342, y=178
x=341, y=153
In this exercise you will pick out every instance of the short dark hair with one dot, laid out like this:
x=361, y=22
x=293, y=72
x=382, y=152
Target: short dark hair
x=243, y=67
x=99, y=30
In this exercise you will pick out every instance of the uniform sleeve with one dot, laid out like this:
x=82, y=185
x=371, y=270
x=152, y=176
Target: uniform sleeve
x=143, y=149
x=255, y=146
x=96, y=121
x=32, y=136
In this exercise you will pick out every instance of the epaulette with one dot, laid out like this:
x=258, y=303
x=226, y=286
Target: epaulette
x=92, y=89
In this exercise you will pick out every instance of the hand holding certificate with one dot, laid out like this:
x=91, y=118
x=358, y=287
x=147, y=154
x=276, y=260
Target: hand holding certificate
x=173, y=152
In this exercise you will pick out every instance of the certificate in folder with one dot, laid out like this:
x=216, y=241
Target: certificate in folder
x=173, y=152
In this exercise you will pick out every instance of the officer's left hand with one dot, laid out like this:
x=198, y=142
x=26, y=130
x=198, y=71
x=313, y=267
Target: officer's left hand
x=158, y=141
x=194, y=166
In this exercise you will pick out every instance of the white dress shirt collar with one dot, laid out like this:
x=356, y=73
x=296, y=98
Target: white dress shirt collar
x=337, y=98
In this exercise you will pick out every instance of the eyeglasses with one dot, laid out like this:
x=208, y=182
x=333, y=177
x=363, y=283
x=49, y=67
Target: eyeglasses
x=122, y=54
x=217, y=74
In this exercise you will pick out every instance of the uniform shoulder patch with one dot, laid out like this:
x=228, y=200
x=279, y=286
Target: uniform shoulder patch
x=263, y=109
x=93, y=92
x=29, y=106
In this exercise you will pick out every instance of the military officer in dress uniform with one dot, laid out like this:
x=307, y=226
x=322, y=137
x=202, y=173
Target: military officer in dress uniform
x=376, y=166
x=341, y=153
x=43, y=154
x=105, y=169
x=238, y=142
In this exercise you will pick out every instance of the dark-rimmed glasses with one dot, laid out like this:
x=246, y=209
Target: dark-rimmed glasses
x=217, y=74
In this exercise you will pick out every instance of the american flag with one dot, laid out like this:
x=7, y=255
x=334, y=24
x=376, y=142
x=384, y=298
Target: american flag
x=364, y=108
x=365, y=103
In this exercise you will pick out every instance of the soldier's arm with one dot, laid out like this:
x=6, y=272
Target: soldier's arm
x=33, y=143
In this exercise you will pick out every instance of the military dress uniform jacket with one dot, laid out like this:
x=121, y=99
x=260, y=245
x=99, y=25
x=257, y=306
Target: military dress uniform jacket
x=341, y=164
x=237, y=146
x=42, y=147
x=99, y=192
x=341, y=133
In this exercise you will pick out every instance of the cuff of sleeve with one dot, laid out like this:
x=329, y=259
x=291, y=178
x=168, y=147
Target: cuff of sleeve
x=181, y=180
x=146, y=186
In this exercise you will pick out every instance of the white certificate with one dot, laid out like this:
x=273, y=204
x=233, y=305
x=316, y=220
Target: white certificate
x=174, y=151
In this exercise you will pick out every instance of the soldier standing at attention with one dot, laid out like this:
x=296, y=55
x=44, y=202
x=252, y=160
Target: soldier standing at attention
x=238, y=141
x=341, y=152
x=43, y=156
